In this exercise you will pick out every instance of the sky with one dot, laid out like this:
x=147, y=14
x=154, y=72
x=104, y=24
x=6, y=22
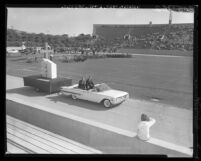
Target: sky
x=74, y=21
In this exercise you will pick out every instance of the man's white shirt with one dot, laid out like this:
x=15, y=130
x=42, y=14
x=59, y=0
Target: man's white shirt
x=143, y=129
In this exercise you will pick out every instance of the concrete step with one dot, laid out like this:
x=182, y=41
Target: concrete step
x=13, y=148
x=43, y=141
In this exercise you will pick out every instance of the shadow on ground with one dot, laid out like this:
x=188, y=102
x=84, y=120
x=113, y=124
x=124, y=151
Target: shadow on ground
x=31, y=92
x=79, y=103
x=26, y=91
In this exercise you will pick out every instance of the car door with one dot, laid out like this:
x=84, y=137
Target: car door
x=83, y=94
x=92, y=96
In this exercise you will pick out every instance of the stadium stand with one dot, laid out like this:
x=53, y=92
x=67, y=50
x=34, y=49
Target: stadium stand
x=168, y=37
x=26, y=138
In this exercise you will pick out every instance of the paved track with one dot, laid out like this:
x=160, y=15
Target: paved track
x=173, y=125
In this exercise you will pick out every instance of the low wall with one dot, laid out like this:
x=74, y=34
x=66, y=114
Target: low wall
x=106, y=141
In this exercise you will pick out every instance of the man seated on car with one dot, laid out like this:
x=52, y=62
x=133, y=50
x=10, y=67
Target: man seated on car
x=89, y=83
x=82, y=84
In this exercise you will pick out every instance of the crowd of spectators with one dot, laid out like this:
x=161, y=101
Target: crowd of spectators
x=109, y=39
x=177, y=37
x=179, y=40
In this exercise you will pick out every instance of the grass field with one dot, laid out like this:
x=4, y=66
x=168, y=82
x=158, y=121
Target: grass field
x=168, y=80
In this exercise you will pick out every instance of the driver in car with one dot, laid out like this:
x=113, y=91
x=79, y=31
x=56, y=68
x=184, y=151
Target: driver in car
x=82, y=84
x=89, y=83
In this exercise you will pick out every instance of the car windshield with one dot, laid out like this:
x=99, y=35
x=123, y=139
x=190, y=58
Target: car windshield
x=102, y=87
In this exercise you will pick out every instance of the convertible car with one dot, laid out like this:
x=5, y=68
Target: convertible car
x=101, y=93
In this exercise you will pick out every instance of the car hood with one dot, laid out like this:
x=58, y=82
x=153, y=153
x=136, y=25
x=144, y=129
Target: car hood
x=113, y=93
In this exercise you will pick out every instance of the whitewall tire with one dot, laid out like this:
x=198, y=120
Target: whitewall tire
x=74, y=96
x=107, y=103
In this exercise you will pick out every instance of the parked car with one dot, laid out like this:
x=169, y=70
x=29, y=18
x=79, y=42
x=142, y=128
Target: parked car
x=102, y=93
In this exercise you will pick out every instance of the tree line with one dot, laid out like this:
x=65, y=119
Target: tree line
x=15, y=38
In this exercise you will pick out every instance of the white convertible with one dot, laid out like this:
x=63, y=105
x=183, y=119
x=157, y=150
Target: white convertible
x=102, y=93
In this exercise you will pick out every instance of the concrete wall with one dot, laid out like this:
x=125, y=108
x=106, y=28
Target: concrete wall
x=101, y=139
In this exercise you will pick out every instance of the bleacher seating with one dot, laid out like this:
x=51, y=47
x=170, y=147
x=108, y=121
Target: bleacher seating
x=168, y=37
x=25, y=138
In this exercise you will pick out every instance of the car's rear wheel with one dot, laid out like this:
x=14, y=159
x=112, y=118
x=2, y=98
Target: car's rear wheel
x=107, y=103
x=74, y=96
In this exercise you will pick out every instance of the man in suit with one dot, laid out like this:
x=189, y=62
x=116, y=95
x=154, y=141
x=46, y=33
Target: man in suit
x=82, y=84
x=89, y=83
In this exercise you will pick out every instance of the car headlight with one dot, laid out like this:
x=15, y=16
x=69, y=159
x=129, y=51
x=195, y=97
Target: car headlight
x=118, y=99
x=126, y=96
x=113, y=100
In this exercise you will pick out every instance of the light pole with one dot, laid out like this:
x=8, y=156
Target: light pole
x=170, y=17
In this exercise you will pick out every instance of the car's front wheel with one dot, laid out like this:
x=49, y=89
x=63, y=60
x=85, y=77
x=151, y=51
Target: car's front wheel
x=74, y=96
x=107, y=103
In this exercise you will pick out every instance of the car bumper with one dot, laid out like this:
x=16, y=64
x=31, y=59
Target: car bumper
x=120, y=100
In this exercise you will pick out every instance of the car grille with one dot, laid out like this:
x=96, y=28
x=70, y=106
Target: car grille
x=123, y=97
